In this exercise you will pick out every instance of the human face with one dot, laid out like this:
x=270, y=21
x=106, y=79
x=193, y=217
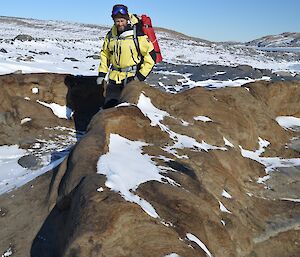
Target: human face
x=121, y=24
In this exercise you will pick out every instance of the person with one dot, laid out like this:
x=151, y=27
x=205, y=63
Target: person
x=127, y=54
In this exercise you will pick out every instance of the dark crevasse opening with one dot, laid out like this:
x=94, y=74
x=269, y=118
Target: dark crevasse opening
x=85, y=98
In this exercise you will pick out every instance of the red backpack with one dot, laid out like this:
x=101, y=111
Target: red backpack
x=149, y=31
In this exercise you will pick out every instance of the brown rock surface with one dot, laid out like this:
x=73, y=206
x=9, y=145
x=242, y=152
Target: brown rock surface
x=63, y=214
x=17, y=101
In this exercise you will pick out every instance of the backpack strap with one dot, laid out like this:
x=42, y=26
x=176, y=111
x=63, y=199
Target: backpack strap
x=135, y=39
x=109, y=35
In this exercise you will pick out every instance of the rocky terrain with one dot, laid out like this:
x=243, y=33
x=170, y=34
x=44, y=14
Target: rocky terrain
x=287, y=39
x=200, y=160
x=215, y=184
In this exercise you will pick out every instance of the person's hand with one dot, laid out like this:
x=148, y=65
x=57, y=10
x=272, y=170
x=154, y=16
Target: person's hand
x=100, y=80
x=69, y=113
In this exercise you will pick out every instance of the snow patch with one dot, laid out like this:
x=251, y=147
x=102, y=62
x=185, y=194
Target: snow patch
x=7, y=253
x=149, y=110
x=203, y=118
x=291, y=200
x=123, y=104
x=270, y=163
x=100, y=189
x=184, y=123
x=220, y=73
x=125, y=179
x=228, y=143
x=62, y=112
x=35, y=90
x=180, y=141
x=12, y=174
x=223, y=208
x=288, y=122
x=195, y=239
x=263, y=179
x=167, y=223
x=172, y=255
x=226, y=194
x=10, y=152
x=25, y=120
x=211, y=83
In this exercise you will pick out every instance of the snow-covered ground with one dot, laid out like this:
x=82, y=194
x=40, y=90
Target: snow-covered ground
x=64, y=47
x=46, y=153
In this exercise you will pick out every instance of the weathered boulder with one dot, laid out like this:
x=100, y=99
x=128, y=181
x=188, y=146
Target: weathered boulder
x=24, y=37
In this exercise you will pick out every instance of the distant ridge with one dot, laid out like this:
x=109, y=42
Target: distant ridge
x=181, y=35
x=286, y=39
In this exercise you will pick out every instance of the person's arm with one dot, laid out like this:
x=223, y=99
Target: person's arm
x=149, y=57
x=104, y=58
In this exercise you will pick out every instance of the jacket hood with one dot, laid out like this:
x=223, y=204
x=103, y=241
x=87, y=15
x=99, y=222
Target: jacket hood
x=133, y=19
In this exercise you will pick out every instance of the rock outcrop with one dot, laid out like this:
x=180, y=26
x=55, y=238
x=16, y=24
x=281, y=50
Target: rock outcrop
x=23, y=37
x=207, y=199
x=19, y=100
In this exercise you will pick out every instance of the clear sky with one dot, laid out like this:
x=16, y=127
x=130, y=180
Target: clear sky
x=215, y=20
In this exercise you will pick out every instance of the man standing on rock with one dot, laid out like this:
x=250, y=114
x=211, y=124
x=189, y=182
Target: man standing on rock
x=127, y=54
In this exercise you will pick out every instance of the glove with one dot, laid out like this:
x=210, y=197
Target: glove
x=69, y=113
x=100, y=80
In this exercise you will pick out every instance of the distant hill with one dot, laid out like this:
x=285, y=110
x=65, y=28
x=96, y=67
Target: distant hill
x=286, y=39
x=181, y=35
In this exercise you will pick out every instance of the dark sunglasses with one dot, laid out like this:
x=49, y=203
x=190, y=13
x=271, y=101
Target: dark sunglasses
x=119, y=9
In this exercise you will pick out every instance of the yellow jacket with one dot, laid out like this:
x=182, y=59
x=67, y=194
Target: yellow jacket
x=121, y=52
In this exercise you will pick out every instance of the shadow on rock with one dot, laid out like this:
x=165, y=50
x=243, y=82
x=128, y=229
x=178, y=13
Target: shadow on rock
x=65, y=220
x=48, y=241
x=85, y=98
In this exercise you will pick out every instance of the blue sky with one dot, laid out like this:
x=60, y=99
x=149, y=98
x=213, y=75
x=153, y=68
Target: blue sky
x=215, y=20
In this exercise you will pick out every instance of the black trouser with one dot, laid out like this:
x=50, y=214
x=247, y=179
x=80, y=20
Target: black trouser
x=113, y=93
